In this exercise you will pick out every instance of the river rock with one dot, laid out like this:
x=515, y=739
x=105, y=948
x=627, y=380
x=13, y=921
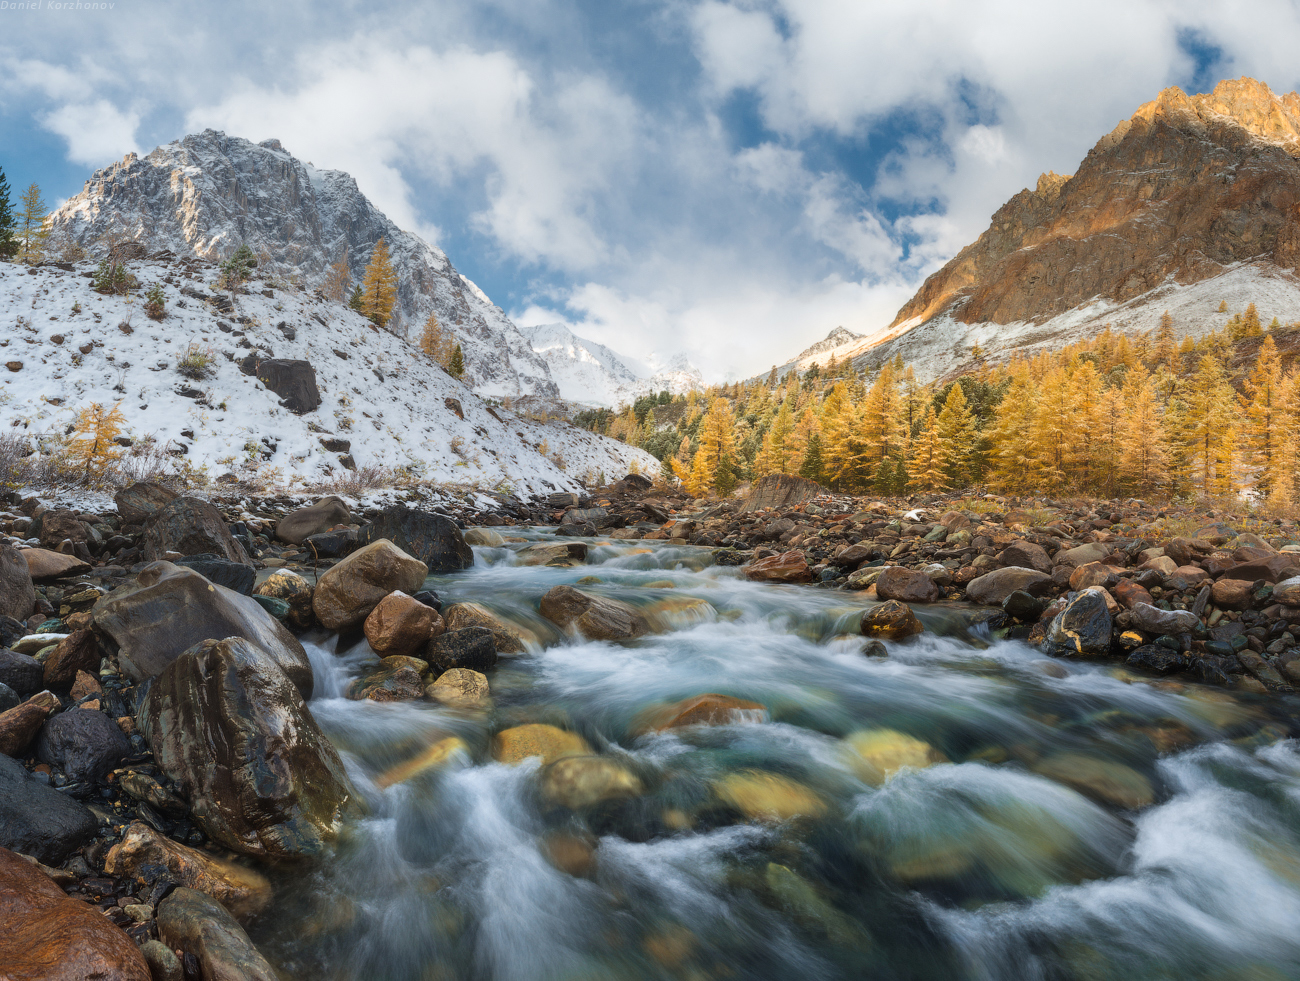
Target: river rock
x=84, y=743
x=20, y=724
x=537, y=739
x=576, y=782
x=1153, y=620
x=557, y=554
x=1104, y=780
x=8, y=698
x=460, y=688
x=192, y=921
x=243, y=891
x=994, y=587
x=347, y=592
x=1153, y=657
x=1130, y=594
x=227, y=724
x=1026, y=555
x=892, y=621
x=191, y=527
x=294, y=590
x=433, y=757
x=297, y=526
x=1273, y=568
x=169, y=609
x=788, y=567
x=1082, y=554
x=593, y=617
x=17, y=594
x=432, y=538
x=906, y=586
x=1092, y=574
x=396, y=679
x=709, y=709
x=458, y=616
x=49, y=936
x=140, y=500
x=79, y=651
x=878, y=754
x=235, y=576
x=21, y=672
x=401, y=625
x=768, y=797
x=1231, y=594
x=164, y=965
x=470, y=647
x=42, y=564
x=1287, y=592
x=1083, y=627
x=38, y=820
x=61, y=526
x=1162, y=564
x=483, y=537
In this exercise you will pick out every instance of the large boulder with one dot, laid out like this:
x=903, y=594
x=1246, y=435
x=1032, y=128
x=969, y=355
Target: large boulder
x=38, y=820
x=1026, y=555
x=1083, y=627
x=85, y=744
x=710, y=709
x=243, y=891
x=1082, y=554
x=21, y=672
x=140, y=500
x=235, y=576
x=788, y=567
x=470, y=647
x=1153, y=620
x=576, y=782
x=461, y=615
x=778, y=490
x=432, y=538
x=906, y=586
x=994, y=587
x=228, y=725
x=43, y=563
x=593, y=617
x=169, y=609
x=79, y=651
x=296, y=526
x=57, y=527
x=191, y=527
x=17, y=594
x=891, y=621
x=293, y=381
x=192, y=921
x=348, y=592
x=49, y=936
x=401, y=625
x=294, y=590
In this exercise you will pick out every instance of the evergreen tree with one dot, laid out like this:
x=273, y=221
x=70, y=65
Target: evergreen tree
x=8, y=224
x=812, y=466
x=379, y=286
x=1166, y=347
x=355, y=300
x=456, y=366
x=32, y=233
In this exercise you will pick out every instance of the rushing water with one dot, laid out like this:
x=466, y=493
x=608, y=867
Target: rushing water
x=987, y=864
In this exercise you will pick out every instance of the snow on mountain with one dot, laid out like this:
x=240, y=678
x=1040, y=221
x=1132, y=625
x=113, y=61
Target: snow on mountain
x=674, y=374
x=208, y=193
x=591, y=374
x=381, y=403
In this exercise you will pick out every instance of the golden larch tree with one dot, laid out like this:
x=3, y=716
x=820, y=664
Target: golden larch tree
x=379, y=286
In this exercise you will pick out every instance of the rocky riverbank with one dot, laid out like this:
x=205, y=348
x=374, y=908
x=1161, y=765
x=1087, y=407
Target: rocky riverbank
x=160, y=763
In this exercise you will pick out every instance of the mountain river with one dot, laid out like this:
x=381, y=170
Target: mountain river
x=963, y=808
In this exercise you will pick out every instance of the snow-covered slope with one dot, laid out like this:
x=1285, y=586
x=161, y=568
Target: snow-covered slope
x=208, y=193
x=588, y=373
x=393, y=407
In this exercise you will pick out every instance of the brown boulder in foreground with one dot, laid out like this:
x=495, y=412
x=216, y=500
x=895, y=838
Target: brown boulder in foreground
x=787, y=567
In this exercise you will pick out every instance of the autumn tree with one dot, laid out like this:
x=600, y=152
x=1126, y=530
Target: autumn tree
x=955, y=428
x=32, y=233
x=379, y=286
x=438, y=344
x=1263, y=414
x=94, y=430
x=1166, y=346
x=929, y=464
x=1208, y=426
x=338, y=278
x=1143, y=454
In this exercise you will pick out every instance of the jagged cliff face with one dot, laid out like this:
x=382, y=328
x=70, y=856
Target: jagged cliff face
x=208, y=193
x=1181, y=191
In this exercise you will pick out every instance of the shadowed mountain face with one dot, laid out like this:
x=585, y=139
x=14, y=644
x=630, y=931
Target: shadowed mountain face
x=1185, y=188
x=209, y=193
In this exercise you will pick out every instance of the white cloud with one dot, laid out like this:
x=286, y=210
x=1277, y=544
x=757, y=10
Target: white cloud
x=97, y=132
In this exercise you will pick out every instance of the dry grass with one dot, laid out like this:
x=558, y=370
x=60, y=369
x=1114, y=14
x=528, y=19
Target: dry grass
x=21, y=466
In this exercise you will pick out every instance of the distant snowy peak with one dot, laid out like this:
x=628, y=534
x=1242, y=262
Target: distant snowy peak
x=548, y=339
x=208, y=193
x=838, y=338
x=591, y=374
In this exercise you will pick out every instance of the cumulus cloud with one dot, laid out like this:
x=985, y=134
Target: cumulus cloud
x=96, y=131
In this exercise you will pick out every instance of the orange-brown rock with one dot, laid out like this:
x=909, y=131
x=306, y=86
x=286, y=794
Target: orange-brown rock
x=786, y=567
x=1182, y=190
x=20, y=724
x=892, y=621
x=702, y=710
x=49, y=937
x=906, y=585
x=401, y=625
x=79, y=651
x=1091, y=574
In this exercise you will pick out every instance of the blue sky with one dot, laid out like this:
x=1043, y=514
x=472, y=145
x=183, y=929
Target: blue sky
x=728, y=179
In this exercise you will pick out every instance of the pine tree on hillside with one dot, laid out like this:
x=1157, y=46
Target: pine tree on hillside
x=956, y=432
x=32, y=233
x=1208, y=426
x=929, y=463
x=812, y=466
x=8, y=224
x=878, y=427
x=355, y=300
x=379, y=286
x=456, y=366
x=1250, y=325
x=1143, y=454
x=1053, y=430
x=1012, y=437
x=438, y=344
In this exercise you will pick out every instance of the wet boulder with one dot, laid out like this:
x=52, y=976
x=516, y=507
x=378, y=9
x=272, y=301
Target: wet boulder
x=461, y=615
x=314, y=519
x=460, y=688
x=1153, y=620
x=17, y=594
x=395, y=679
x=788, y=567
x=593, y=617
x=553, y=553
x=192, y=921
x=470, y=647
x=294, y=590
x=169, y=609
x=1026, y=555
x=57, y=527
x=1083, y=627
x=234, y=576
x=137, y=502
x=432, y=538
x=1231, y=594
x=548, y=742
x=1287, y=592
x=891, y=621
x=293, y=381
x=20, y=724
x=576, y=782
x=709, y=709
x=21, y=672
x=191, y=527
x=484, y=538
x=38, y=820
x=84, y=743
x=348, y=592
x=906, y=586
x=1153, y=657
x=49, y=936
x=243, y=891
x=226, y=723
x=401, y=625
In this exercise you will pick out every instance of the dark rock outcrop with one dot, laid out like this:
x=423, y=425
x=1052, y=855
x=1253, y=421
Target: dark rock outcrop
x=191, y=527
x=293, y=381
x=432, y=538
x=38, y=820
